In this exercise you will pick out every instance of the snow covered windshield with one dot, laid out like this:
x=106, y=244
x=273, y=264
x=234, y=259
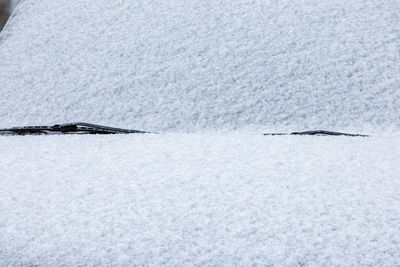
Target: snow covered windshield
x=162, y=66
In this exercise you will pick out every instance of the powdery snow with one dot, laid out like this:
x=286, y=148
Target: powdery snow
x=210, y=198
x=193, y=65
x=201, y=200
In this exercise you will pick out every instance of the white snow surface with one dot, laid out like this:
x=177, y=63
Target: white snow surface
x=199, y=199
x=172, y=65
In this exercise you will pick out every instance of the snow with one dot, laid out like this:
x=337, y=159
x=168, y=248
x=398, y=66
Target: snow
x=199, y=65
x=210, y=76
x=199, y=199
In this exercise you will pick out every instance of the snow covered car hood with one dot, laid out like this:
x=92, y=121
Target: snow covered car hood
x=199, y=199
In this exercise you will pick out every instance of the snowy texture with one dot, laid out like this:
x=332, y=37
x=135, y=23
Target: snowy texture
x=167, y=65
x=220, y=199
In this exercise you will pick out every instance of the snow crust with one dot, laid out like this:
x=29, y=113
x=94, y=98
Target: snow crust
x=196, y=65
x=207, y=198
x=200, y=200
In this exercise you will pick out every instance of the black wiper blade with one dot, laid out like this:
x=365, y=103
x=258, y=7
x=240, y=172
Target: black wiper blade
x=319, y=132
x=67, y=128
x=88, y=128
x=323, y=132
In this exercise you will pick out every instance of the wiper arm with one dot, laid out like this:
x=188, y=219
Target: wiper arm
x=318, y=132
x=67, y=128
x=88, y=128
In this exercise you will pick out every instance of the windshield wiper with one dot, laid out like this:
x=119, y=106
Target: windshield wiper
x=67, y=128
x=88, y=128
x=318, y=132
